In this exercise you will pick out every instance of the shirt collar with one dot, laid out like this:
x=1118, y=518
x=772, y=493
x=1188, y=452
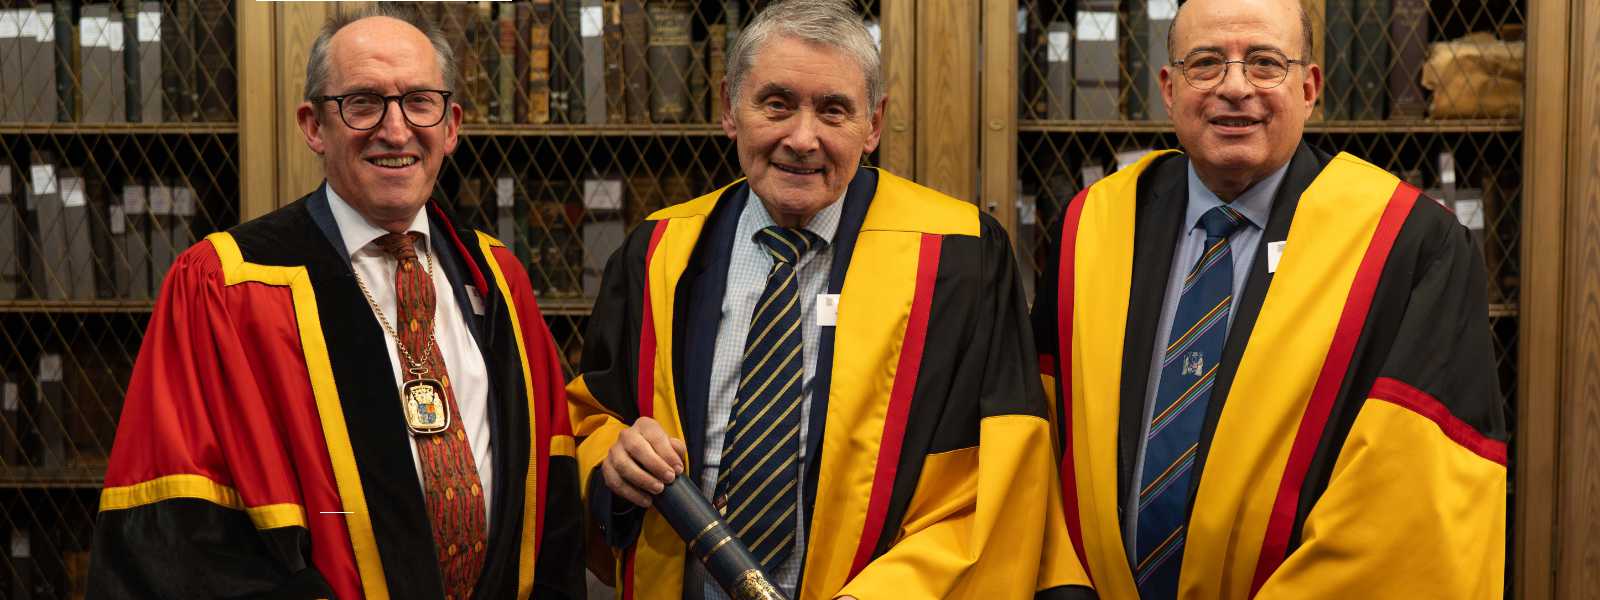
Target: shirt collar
x=1255, y=204
x=825, y=223
x=357, y=232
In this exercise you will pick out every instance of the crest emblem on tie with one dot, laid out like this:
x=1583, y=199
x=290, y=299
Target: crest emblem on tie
x=1194, y=364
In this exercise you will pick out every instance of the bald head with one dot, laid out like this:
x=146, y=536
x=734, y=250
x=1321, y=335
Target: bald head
x=381, y=19
x=1280, y=7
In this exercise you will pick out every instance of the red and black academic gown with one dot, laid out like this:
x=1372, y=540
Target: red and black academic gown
x=263, y=405
x=1354, y=441
x=928, y=466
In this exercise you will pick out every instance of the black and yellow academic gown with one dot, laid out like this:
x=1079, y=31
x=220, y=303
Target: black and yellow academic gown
x=1354, y=442
x=929, y=473
x=263, y=405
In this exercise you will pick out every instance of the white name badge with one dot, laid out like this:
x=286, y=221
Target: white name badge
x=476, y=299
x=827, y=310
x=1274, y=254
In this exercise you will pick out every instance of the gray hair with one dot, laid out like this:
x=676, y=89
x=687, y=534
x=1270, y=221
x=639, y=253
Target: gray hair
x=318, y=67
x=1305, y=32
x=831, y=23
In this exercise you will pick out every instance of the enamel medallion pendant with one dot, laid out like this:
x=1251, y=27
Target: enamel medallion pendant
x=424, y=404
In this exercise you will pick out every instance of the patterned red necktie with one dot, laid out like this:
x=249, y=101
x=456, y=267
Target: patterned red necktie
x=449, y=474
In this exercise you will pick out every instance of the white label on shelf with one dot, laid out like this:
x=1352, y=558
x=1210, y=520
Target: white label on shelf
x=504, y=192
x=1028, y=209
x=114, y=38
x=1470, y=212
x=5, y=180
x=1097, y=26
x=44, y=179
x=602, y=194
x=149, y=26
x=8, y=397
x=10, y=24
x=876, y=32
x=72, y=192
x=49, y=367
x=1092, y=173
x=160, y=200
x=92, y=32
x=183, y=201
x=44, y=23
x=20, y=544
x=591, y=21
x=119, y=220
x=1447, y=169
x=1059, y=46
x=1163, y=10
x=133, y=201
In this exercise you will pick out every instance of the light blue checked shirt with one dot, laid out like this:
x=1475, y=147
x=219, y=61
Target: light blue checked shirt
x=747, y=278
x=1256, y=205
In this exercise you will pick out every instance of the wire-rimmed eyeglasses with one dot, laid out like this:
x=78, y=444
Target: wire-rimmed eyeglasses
x=1265, y=69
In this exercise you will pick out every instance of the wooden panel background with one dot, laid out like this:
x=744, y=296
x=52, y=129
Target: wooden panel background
x=258, y=117
x=299, y=169
x=1578, y=552
x=1539, y=361
x=897, y=150
x=998, y=137
x=947, y=98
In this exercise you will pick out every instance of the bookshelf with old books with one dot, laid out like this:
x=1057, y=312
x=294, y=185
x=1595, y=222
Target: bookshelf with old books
x=119, y=146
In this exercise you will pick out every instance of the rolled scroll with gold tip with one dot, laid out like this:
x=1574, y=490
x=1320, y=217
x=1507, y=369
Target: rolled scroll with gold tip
x=708, y=537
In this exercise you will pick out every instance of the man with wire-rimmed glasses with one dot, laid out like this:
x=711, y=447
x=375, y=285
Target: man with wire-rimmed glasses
x=1272, y=366
x=350, y=396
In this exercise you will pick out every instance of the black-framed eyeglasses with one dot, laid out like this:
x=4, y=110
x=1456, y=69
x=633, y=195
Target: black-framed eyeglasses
x=1265, y=69
x=365, y=110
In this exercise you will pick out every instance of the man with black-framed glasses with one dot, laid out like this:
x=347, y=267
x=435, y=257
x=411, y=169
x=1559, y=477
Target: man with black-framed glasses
x=349, y=397
x=1272, y=367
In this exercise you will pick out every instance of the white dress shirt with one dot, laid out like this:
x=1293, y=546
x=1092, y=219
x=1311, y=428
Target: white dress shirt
x=469, y=376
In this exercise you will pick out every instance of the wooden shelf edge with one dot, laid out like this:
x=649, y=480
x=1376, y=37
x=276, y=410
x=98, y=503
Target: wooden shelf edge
x=117, y=128
x=582, y=130
x=567, y=307
x=112, y=306
x=1385, y=126
x=83, y=477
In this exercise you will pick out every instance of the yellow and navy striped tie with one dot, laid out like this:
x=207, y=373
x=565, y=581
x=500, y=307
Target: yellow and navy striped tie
x=760, y=457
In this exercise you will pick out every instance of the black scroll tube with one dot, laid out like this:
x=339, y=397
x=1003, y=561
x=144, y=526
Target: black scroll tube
x=709, y=538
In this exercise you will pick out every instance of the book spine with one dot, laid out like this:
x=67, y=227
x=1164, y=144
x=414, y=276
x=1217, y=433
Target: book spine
x=11, y=84
x=1408, y=42
x=1133, y=31
x=591, y=31
x=77, y=236
x=1339, y=88
x=506, y=63
x=132, y=77
x=66, y=66
x=136, y=284
x=48, y=412
x=615, y=75
x=50, y=269
x=668, y=55
x=10, y=224
x=572, y=55
x=1160, y=14
x=1059, y=82
x=539, y=96
x=524, y=34
x=1372, y=60
x=716, y=67
x=215, y=78
x=635, y=38
x=1096, y=68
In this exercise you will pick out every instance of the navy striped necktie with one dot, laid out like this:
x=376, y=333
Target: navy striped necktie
x=760, y=457
x=1189, y=366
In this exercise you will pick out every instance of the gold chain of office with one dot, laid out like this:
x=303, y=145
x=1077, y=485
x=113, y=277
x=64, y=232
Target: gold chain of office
x=417, y=368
